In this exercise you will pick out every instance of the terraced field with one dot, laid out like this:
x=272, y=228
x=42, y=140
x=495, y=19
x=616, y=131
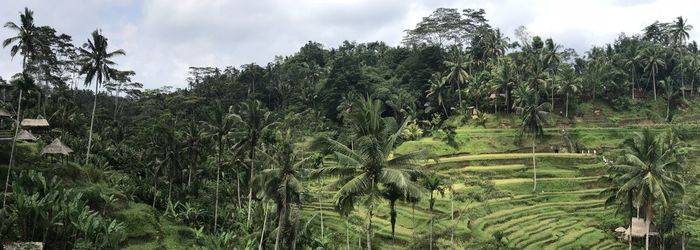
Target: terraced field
x=492, y=196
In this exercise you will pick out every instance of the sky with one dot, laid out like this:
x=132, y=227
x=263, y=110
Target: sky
x=162, y=38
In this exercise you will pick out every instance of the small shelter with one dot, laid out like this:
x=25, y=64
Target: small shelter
x=3, y=115
x=25, y=135
x=38, y=126
x=57, y=148
x=639, y=229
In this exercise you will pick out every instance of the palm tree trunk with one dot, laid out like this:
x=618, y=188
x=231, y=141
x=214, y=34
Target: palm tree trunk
x=320, y=208
x=347, y=235
x=452, y=218
x=567, y=105
x=459, y=93
x=189, y=176
x=392, y=214
x=92, y=122
x=218, y=174
x=281, y=220
x=648, y=223
x=12, y=151
x=552, y=97
x=369, y=228
x=534, y=167
x=413, y=218
x=633, y=80
x=250, y=187
x=155, y=188
x=668, y=110
x=431, y=231
x=653, y=78
x=238, y=190
x=262, y=234
x=630, y=235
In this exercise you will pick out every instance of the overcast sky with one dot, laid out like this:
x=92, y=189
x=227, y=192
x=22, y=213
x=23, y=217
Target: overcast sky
x=163, y=38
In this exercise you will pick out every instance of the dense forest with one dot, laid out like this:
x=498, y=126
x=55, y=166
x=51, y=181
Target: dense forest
x=310, y=150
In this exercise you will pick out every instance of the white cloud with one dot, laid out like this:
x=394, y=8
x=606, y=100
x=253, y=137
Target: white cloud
x=163, y=38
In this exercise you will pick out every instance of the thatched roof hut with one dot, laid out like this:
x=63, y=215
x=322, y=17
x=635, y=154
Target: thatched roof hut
x=25, y=135
x=40, y=122
x=639, y=229
x=4, y=113
x=56, y=147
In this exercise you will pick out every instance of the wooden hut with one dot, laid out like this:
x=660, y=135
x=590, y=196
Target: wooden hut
x=639, y=229
x=37, y=126
x=25, y=135
x=56, y=148
x=3, y=115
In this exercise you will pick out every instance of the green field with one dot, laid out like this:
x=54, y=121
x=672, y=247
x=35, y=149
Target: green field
x=566, y=212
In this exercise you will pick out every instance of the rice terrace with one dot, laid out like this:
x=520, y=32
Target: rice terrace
x=350, y=124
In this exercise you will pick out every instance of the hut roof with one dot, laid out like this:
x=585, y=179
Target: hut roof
x=639, y=228
x=56, y=147
x=25, y=135
x=4, y=113
x=40, y=122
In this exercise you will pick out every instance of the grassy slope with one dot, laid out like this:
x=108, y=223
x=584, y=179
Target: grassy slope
x=566, y=211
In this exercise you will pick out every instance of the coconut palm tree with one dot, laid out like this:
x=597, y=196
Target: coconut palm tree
x=363, y=169
x=679, y=33
x=534, y=119
x=649, y=168
x=457, y=74
x=23, y=82
x=502, y=80
x=194, y=144
x=570, y=84
x=96, y=64
x=438, y=90
x=218, y=127
x=671, y=95
x=633, y=62
x=433, y=182
x=392, y=194
x=27, y=39
x=653, y=59
x=252, y=120
x=281, y=183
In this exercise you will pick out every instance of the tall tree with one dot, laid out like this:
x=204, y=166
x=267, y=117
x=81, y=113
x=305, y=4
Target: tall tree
x=281, y=182
x=96, y=64
x=369, y=164
x=649, y=166
x=534, y=119
x=438, y=91
x=253, y=119
x=457, y=73
x=570, y=85
x=653, y=59
x=22, y=82
x=26, y=41
x=433, y=183
x=679, y=33
x=218, y=126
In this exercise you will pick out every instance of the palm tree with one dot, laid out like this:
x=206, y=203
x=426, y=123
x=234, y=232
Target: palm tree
x=534, y=119
x=253, y=120
x=432, y=182
x=552, y=59
x=281, y=182
x=648, y=167
x=194, y=137
x=633, y=62
x=679, y=33
x=23, y=83
x=457, y=75
x=653, y=60
x=570, y=85
x=96, y=64
x=392, y=194
x=438, y=90
x=218, y=126
x=671, y=95
x=369, y=164
x=27, y=39
x=502, y=80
